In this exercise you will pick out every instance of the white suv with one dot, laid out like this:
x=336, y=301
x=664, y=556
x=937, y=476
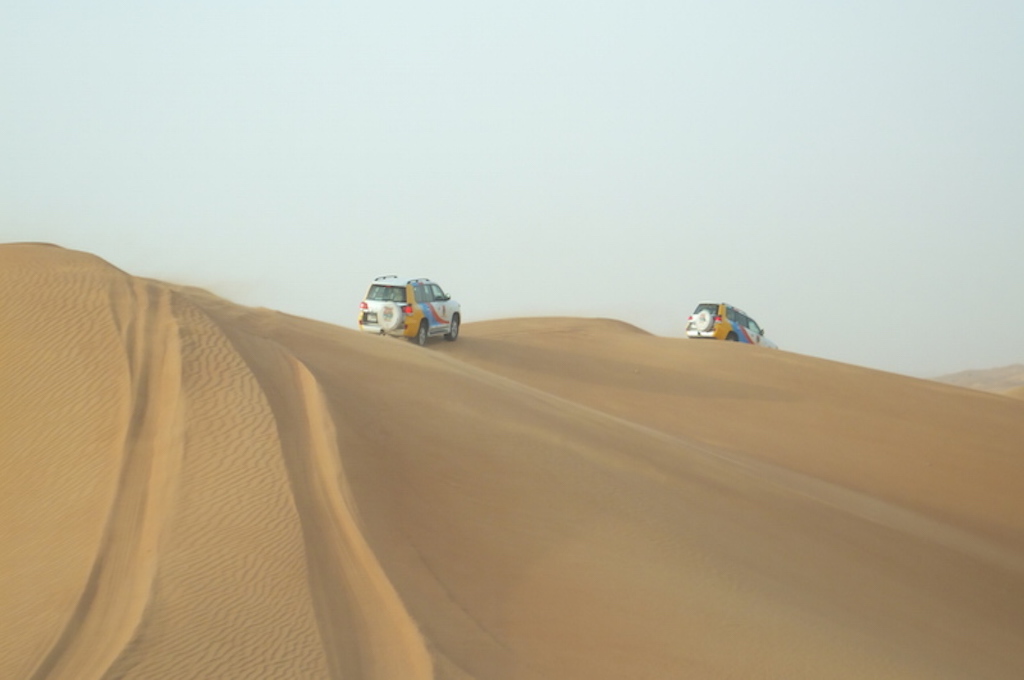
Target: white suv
x=723, y=321
x=410, y=308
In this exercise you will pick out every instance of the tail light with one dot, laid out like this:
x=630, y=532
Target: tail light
x=363, y=305
x=718, y=319
x=407, y=309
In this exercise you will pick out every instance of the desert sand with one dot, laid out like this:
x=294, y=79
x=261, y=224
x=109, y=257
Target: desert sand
x=197, y=489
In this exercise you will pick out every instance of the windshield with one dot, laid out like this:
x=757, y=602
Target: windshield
x=386, y=293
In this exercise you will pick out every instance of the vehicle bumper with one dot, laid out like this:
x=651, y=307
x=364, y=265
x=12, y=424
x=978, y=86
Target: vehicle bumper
x=402, y=331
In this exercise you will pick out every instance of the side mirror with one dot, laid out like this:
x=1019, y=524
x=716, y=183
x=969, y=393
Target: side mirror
x=762, y=331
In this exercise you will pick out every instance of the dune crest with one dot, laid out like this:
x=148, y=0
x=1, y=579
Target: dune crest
x=192, y=488
x=169, y=438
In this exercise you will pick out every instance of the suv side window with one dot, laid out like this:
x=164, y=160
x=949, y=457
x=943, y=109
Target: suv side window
x=752, y=325
x=439, y=295
x=423, y=293
x=731, y=314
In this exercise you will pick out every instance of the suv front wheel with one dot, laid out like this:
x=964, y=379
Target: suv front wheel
x=453, y=331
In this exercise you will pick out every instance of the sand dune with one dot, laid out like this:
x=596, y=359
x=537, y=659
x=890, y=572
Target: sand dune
x=1002, y=379
x=195, y=489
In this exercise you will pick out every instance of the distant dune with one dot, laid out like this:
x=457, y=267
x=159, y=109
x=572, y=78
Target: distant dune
x=196, y=489
x=1000, y=379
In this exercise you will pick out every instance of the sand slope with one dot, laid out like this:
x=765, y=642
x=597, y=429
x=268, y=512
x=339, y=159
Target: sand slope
x=196, y=489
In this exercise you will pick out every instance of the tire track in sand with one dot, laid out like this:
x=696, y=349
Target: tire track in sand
x=231, y=595
x=364, y=627
x=361, y=614
x=114, y=600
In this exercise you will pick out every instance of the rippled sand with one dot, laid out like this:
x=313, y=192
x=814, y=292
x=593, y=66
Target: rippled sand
x=195, y=489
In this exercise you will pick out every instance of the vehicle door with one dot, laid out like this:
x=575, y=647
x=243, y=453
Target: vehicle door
x=441, y=307
x=733, y=317
x=756, y=334
x=742, y=328
x=427, y=298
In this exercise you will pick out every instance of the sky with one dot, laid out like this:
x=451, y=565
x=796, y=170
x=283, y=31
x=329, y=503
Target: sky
x=849, y=173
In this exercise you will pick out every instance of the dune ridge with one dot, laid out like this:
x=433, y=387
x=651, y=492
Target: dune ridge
x=108, y=630
x=193, y=488
x=362, y=601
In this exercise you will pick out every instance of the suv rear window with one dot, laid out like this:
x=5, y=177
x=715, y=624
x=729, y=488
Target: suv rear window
x=711, y=308
x=386, y=293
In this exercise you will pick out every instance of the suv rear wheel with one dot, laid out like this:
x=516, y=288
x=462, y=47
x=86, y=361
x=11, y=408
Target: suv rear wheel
x=421, y=334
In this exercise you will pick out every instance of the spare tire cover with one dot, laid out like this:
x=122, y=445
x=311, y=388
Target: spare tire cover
x=704, y=321
x=390, y=316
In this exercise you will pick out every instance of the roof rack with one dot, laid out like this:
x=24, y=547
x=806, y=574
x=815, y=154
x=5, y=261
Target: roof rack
x=386, y=276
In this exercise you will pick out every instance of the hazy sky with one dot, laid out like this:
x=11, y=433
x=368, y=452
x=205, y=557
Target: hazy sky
x=850, y=173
